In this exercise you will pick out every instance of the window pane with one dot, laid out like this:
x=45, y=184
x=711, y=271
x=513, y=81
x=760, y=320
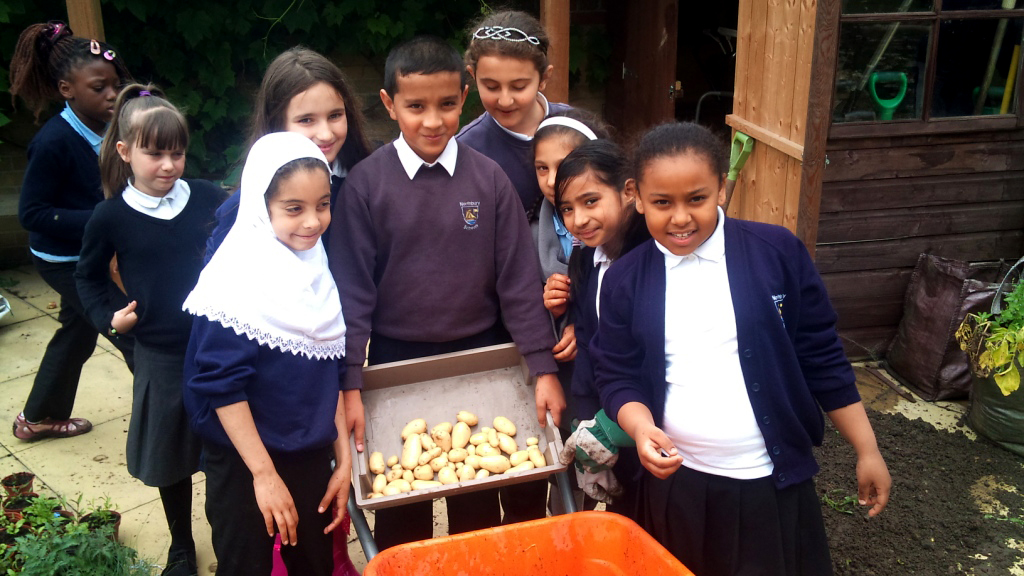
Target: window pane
x=966, y=67
x=881, y=71
x=974, y=4
x=887, y=6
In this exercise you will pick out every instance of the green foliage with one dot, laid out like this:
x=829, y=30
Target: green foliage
x=76, y=552
x=995, y=344
x=209, y=57
x=840, y=501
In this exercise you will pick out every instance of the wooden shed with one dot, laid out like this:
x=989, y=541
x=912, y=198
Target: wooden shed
x=884, y=129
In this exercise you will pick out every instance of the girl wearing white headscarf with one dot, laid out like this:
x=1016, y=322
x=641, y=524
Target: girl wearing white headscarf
x=264, y=368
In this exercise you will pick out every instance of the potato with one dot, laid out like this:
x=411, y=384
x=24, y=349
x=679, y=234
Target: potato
x=379, y=482
x=460, y=435
x=447, y=476
x=492, y=437
x=446, y=426
x=532, y=441
x=521, y=468
x=450, y=466
x=408, y=476
x=393, y=475
x=537, y=457
x=466, y=473
x=377, y=464
x=478, y=439
x=487, y=450
x=459, y=465
x=471, y=450
x=423, y=473
x=414, y=427
x=481, y=473
x=424, y=484
x=468, y=417
x=397, y=487
x=442, y=439
x=439, y=462
x=504, y=425
x=411, y=452
x=398, y=467
x=517, y=458
x=473, y=461
x=425, y=458
x=376, y=495
x=426, y=441
x=495, y=464
x=507, y=444
x=457, y=454
x=392, y=461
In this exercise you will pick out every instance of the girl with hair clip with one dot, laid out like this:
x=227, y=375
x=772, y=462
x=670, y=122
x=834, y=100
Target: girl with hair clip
x=264, y=368
x=60, y=190
x=508, y=58
x=717, y=352
x=154, y=220
x=595, y=201
x=304, y=92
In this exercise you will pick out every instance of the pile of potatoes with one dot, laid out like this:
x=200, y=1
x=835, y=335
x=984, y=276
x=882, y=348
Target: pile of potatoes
x=450, y=454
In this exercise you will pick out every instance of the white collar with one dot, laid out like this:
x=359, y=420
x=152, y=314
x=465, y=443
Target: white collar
x=600, y=256
x=712, y=250
x=258, y=286
x=153, y=202
x=337, y=169
x=547, y=110
x=412, y=162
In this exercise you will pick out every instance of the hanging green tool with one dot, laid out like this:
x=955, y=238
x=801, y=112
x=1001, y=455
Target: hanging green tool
x=742, y=146
x=886, y=108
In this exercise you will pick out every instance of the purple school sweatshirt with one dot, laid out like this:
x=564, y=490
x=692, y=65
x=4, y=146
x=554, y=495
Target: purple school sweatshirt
x=436, y=258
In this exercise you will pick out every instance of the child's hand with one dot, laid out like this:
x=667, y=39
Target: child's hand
x=873, y=482
x=355, y=418
x=556, y=294
x=125, y=318
x=549, y=397
x=565, y=350
x=650, y=442
x=277, y=506
x=337, y=490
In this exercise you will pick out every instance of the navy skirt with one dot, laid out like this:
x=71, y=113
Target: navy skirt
x=720, y=526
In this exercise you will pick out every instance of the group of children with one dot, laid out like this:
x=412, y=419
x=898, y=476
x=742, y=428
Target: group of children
x=248, y=320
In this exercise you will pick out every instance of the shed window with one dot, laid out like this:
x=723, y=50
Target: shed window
x=906, y=66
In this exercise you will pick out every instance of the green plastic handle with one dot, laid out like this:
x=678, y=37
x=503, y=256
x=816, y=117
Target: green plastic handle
x=742, y=146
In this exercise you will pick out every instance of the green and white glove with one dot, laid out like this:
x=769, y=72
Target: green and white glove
x=595, y=447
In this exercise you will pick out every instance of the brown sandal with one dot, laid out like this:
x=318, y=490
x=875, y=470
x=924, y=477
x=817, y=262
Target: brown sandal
x=49, y=428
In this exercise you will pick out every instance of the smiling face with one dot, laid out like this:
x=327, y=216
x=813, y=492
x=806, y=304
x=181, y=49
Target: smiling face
x=427, y=108
x=319, y=114
x=679, y=197
x=547, y=157
x=508, y=91
x=154, y=171
x=300, y=209
x=91, y=90
x=591, y=210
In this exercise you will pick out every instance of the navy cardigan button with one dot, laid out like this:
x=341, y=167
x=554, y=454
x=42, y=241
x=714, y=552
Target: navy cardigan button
x=782, y=477
x=756, y=387
x=747, y=353
x=766, y=420
x=776, y=450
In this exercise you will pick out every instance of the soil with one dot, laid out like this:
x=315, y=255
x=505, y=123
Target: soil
x=957, y=504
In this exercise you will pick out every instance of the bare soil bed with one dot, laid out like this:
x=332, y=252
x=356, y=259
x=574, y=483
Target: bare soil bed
x=957, y=504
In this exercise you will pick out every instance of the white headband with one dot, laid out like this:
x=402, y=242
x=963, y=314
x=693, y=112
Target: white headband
x=568, y=123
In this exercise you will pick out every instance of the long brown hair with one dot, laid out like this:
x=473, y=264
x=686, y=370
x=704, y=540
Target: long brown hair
x=142, y=117
x=48, y=53
x=293, y=72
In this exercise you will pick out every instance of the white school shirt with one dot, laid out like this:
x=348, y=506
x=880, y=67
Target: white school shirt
x=708, y=415
x=601, y=262
x=412, y=162
x=163, y=207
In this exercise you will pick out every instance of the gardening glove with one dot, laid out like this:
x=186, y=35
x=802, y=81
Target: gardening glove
x=595, y=447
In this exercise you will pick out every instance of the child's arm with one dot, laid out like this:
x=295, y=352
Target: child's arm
x=636, y=420
x=565, y=349
x=341, y=478
x=556, y=294
x=873, y=481
x=355, y=418
x=41, y=190
x=92, y=275
x=272, y=496
x=549, y=397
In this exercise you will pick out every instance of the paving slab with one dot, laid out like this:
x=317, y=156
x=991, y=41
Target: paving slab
x=20, y=310
x=145, y=529
x=27, y=285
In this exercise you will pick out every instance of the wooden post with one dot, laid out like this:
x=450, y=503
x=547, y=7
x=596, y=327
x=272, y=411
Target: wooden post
x=554, y=16
x=86, y=19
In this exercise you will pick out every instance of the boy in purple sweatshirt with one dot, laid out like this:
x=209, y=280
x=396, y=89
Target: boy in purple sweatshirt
x=432, y=254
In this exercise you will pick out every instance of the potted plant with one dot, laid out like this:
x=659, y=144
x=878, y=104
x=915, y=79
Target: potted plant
x=18, y=483
x=101, y=515
x=46, y=514
x=14, y=505
x=78, y=551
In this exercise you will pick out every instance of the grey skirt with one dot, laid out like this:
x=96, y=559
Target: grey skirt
x=162, y=449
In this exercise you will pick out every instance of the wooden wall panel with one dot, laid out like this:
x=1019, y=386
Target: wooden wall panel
x=900, y=223
x=888, y=194
x=917, y=161
x=850, y=256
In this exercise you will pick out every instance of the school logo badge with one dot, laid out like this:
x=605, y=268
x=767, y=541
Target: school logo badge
x=777, y=299
x=470, y=214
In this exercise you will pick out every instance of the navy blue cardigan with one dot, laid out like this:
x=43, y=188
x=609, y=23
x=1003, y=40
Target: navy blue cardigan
x=790, y=354
x=585, y=402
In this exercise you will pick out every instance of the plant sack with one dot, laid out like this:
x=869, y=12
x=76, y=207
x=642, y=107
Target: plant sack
x=996, y=417
x=924, y=355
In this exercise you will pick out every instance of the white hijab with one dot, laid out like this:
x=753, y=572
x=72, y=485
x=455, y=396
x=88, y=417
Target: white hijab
x=259, y=287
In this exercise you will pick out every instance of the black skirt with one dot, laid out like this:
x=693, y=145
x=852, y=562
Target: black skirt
x=720, y=526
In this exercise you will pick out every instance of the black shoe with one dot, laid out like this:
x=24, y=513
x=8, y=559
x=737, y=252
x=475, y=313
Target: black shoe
x=181, y=563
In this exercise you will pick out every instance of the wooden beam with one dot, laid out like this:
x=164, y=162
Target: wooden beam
x=762, y=135
x=86, y=19
x=554, y=16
